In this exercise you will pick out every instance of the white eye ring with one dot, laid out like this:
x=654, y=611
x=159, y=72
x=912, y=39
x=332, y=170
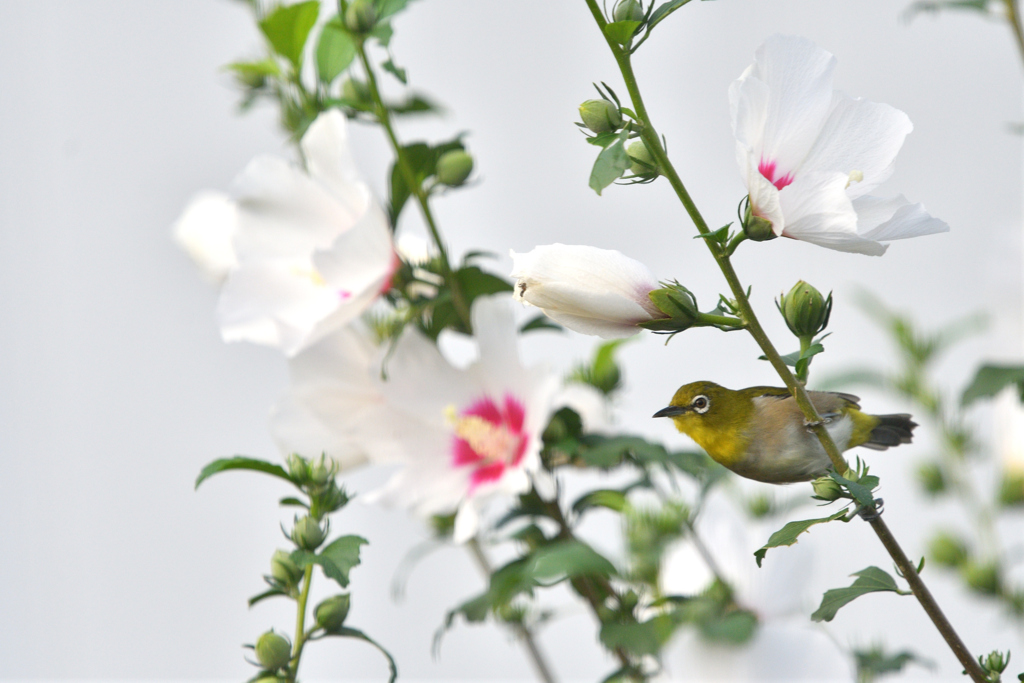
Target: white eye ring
x=700, y=404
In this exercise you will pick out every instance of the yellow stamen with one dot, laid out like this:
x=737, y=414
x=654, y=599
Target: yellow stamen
x=855, y=177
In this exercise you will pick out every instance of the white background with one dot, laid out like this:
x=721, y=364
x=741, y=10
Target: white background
x=115, y=388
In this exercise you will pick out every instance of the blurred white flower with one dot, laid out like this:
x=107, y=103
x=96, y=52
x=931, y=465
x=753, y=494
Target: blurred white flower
x=205, y=231
x=464, y=436
x=809, y=155
x=332, y=394
x=589, y=290
x=301, y=252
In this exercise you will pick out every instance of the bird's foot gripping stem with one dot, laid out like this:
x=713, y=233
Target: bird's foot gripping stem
x=811, y=425
x=870, y=514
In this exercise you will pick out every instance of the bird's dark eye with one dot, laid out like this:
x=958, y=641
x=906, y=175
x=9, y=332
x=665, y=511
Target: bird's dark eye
x=700, y=403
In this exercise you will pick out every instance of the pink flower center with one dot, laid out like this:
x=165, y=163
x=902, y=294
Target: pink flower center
x=768, y=170
x=489, y=438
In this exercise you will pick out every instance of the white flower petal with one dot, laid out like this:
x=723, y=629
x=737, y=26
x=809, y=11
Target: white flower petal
x=798, y=77
x=591, y=290
x=205, y=231
x=467, y=522
x=328, y=156
x=862, y=137
x=817, y=205
x=894, y=219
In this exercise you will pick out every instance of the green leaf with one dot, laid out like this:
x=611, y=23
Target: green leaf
x=240, y=462
x=288, y=27
x=935, y=6
x=382, y=32
x=337, y=558
x=605, y=498
x=603, y=139
x=874, y=662
x=567, y=559
x=608, y=452
x=273, y=592
x=610, y=164
x=395, y=70
x=638, y=639
x=663, y=11
x=387, y=8
x=787, y=535
x=266, y=68
x=346, y=632
x=860, y=492
x=422, y=159
x=415, y=104
x=869, y=580
x=334, y=52
x=990, y=380
x=476, y=282
x=735, y=627
x=698, y=465
x=294, y=502
x=621, y=31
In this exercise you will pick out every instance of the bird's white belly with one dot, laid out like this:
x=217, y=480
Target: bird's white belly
x=793, y=453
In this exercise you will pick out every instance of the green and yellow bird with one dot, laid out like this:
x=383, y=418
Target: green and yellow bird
x=760, y=432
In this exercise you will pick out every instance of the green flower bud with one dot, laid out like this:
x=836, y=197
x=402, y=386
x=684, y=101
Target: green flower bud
x=284, y=569
x=601, y=116
x=994, y=662
x=355, y=90
x=827, y=488
x=930, y=476
x=1011, y=488
x=454, y=167
x=360, y=17
x=806, y=311
x=273, y=652
x=679, y=306
x=628, y=10
x=982, y=577
x=298, y=467
x=331, y=613
x=948, y=550
x=756, y=228
x=308, y=534
x=644, y=164
x=321, y=471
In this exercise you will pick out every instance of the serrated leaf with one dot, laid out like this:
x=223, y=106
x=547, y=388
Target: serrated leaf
x=336, y=559
x=860, y=492
x=241, y=462
x=990, y=380
x=788, y=534
x=334, y=52
x=287, y=29
x=346, y=632
x=395, y=70
x=611, y=163
x=869, y=580
x=621, y=32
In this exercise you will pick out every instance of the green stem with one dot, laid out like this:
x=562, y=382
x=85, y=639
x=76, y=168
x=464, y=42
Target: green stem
x=414, y=185
x=720, y=320
x=1014, y=19
x=746, y=312
x=300, y=624
x=540, y=664
x=805, y=343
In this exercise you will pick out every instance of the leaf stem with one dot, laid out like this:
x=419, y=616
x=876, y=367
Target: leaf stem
x=300, y=624
x=540, y=665
x=1014, y=19
x=746, y=312
x=413, y=183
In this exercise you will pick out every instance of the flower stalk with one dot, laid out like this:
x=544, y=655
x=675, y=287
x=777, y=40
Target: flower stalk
x=300, y=624
x=402, y=161
x=721, y=255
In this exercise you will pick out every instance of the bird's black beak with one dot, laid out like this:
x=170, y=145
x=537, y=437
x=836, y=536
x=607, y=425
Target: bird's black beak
x=671, y=411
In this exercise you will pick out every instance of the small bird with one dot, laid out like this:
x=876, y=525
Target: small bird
x=760, y=432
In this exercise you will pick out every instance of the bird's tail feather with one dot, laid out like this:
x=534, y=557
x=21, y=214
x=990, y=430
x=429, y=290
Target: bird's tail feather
x=891, y=430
